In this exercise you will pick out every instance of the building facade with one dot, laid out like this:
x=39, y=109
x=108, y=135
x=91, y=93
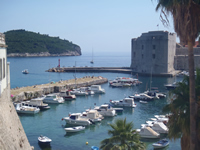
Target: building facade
x=153, y=52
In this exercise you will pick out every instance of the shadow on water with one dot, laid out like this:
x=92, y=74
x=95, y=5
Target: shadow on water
x=44, y=146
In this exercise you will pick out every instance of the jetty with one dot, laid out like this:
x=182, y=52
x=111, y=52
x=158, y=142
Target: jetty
x=91, y=69
x=29, y=92
x=126, y=70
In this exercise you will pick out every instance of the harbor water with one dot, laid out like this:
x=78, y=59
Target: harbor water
x=49, y=122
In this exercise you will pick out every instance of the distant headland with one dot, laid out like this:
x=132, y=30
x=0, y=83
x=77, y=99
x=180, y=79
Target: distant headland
x=23, y=43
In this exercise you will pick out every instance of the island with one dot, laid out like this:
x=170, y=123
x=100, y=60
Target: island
x=23, y=43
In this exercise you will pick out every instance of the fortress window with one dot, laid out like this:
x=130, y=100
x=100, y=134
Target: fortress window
x=134, y=54
x=153, y=56
x=142, y=46
x=154, y=46
x=142, y=56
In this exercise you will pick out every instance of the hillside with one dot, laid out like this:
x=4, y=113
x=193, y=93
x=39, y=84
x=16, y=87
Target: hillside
x=26, y=43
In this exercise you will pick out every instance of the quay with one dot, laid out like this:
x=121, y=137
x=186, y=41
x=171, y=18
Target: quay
x=29, y=92
x=126, y=70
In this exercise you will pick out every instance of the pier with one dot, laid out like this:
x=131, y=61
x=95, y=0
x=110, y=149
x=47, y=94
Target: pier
x=126, y=70
x=29, y=92
x=92, y=69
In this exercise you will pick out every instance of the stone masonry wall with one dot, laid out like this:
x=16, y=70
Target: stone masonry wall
x=12, y=135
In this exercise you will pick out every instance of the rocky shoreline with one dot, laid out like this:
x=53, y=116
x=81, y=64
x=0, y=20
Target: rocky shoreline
x=43, y=54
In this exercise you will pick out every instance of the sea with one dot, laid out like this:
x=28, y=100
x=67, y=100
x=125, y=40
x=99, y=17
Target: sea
x=49, y=122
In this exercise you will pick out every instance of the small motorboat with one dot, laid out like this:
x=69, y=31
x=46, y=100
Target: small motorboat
x=161, y=144
x=94, y=148
x=143, y=102
x=75, y=129
x=44, y=140
x=25, y=71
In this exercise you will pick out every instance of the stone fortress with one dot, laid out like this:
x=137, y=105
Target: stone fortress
x=12, y=135
x=157, y=52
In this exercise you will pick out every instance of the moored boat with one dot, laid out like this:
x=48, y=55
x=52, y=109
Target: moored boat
x=126, y=102
x=161, y=144
x=94, y=148
x=77, y=119
x=147, y=132
x=67, y=96
x=105, y=110
x=44, y=140
x=38, y=102
x=23, y=108
x=75, y=129
x=53, y=99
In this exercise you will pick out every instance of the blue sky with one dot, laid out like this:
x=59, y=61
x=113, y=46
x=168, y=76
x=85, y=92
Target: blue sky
x=101, y=25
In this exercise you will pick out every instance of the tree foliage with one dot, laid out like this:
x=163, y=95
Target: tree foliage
x=179, y=107
x=123, y=137
x=21, y=41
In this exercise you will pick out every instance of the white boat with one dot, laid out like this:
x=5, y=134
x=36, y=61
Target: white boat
x=53, y=98
x=126, y=102
x=147, y=132
x=162, y=118
x=67, y=96
x=44, y=140
x=160, y=127
x=171, y=86
x=23, y=108
x=142, y=96
x=143, y=102
x=97, y=89
x=87, y=89
x=75, y=129
x=78, y=92
x=161, y=144
x=93, y=115
x=77, y=119
x=124, y=81
x=38, y=102
x=25, y=71
x=105, y=110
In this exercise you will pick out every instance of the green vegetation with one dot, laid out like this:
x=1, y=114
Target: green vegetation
x=185, y=14
x=123, y=137
x=21, y=41
x=179, y=107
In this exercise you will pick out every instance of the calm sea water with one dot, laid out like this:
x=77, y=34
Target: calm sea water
x=49, y=122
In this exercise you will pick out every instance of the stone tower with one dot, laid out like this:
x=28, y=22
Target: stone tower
x=153, y=52
x=12, y=135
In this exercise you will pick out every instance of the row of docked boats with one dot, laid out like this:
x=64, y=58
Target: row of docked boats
x=124, y=82
x=41, y=103
x=153, y=130
x=93, y=89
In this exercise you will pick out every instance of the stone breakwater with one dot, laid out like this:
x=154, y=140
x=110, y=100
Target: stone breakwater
x=29, y=92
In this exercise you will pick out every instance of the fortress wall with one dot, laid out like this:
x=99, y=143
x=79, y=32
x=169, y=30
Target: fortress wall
x=12, y=135
x=181, y=58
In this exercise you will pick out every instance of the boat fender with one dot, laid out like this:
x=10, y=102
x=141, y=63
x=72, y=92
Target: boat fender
x=62, y=119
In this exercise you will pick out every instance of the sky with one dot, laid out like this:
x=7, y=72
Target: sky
x=94, y=25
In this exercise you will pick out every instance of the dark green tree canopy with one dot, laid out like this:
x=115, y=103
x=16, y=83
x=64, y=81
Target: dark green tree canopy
x=21, y=41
